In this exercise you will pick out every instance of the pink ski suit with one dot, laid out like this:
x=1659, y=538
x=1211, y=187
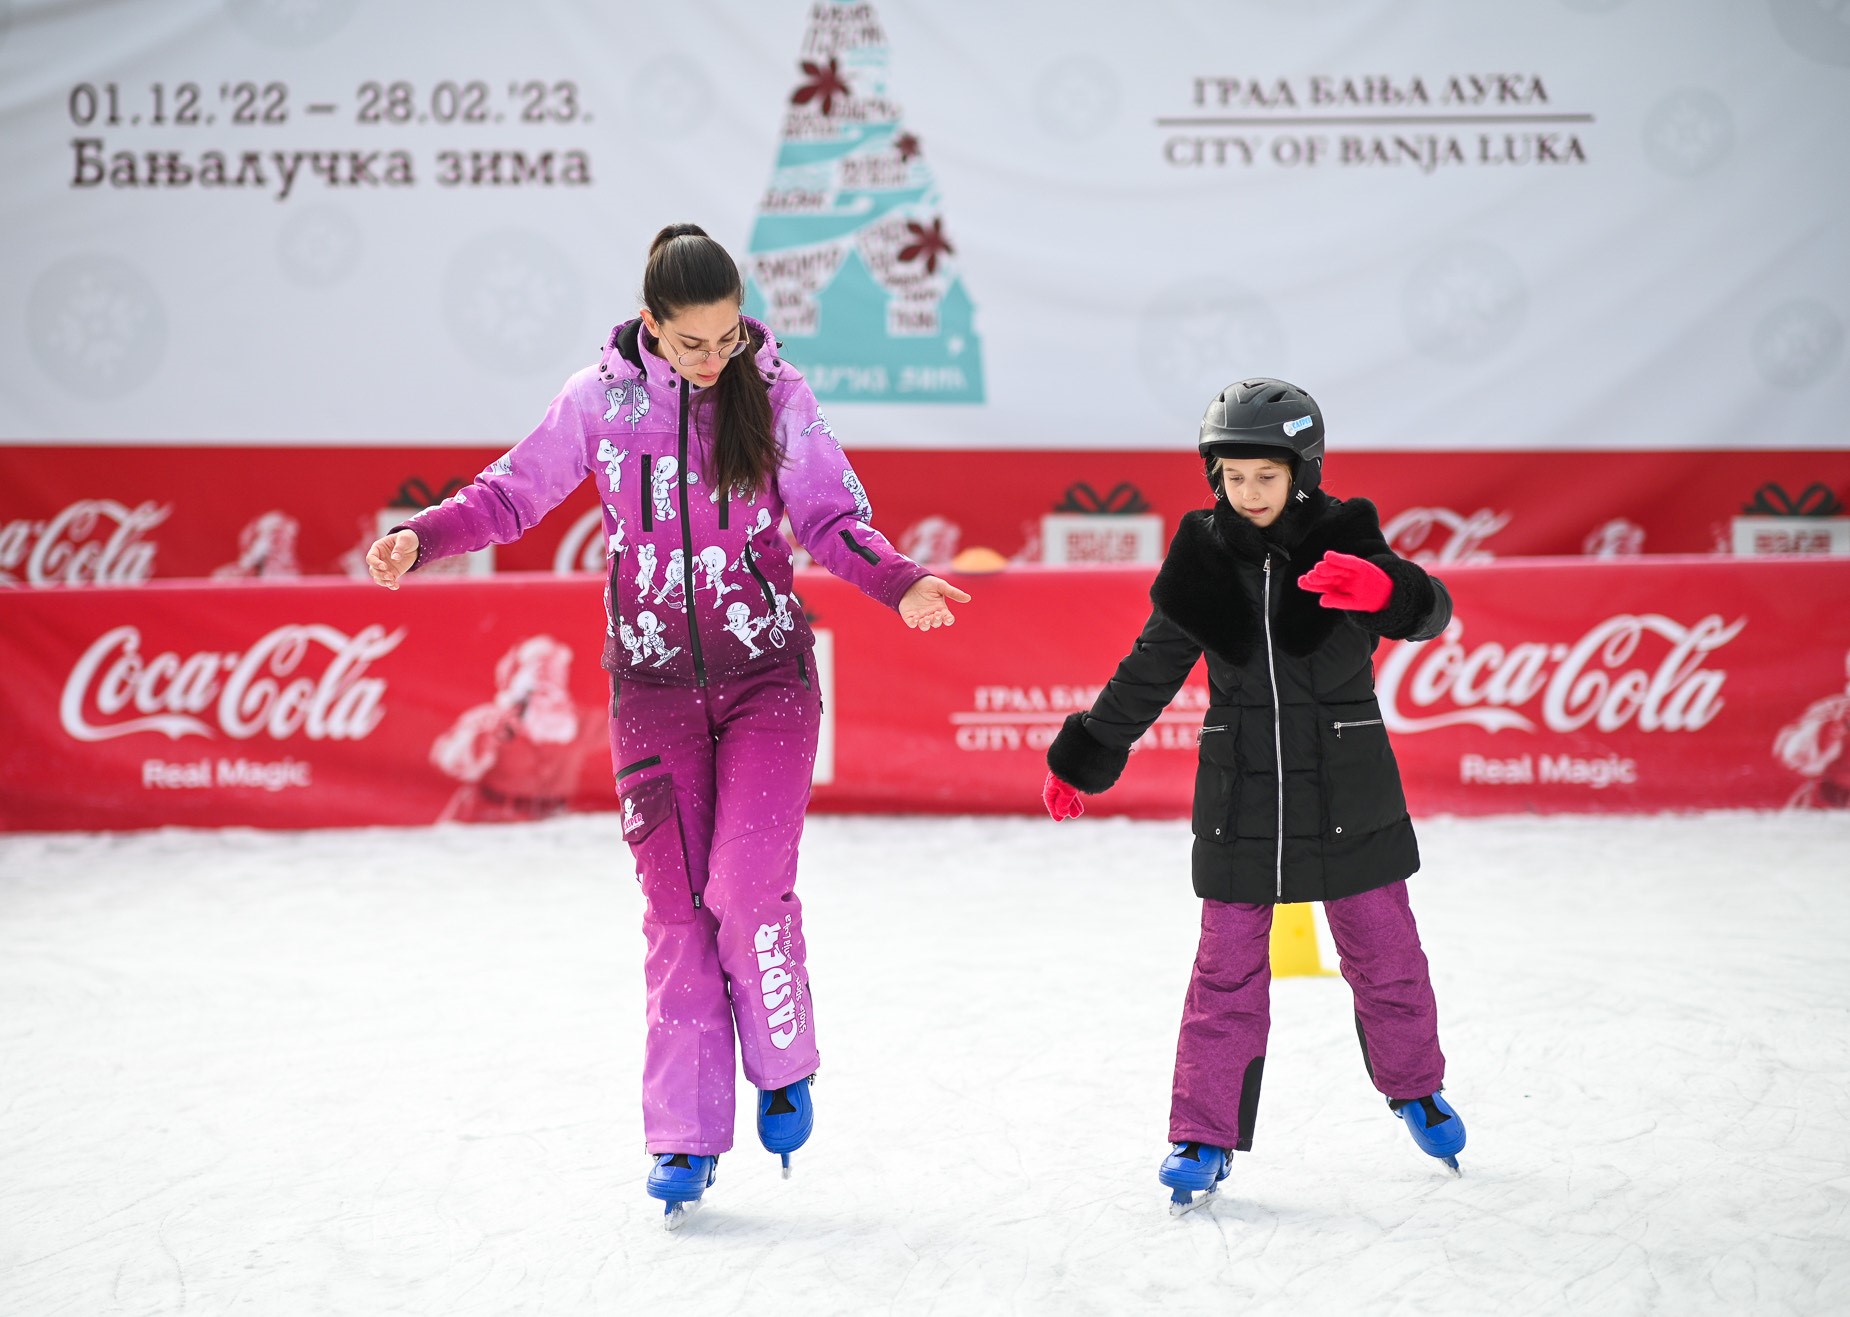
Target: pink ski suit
x=715, y=712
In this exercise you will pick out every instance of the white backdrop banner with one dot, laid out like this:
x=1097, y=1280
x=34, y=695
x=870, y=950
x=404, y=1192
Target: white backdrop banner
x=1601, y=224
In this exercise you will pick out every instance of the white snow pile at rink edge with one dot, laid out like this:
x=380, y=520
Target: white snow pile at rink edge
x=396, y=1071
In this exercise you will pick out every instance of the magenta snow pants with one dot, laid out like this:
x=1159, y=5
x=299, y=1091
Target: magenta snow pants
x=1220, y=1056
x=713, y=783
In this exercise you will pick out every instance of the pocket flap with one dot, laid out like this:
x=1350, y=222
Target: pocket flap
x=645, y=806
x=1220, y=735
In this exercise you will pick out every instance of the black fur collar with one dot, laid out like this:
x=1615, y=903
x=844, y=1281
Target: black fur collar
x=626, y=338
x=1211, y=580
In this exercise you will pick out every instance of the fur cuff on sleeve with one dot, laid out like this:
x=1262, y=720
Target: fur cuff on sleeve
x=1075, y=757
x=1408, y=606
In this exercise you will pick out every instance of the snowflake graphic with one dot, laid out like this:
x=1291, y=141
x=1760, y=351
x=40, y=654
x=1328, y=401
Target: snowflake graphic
x=319, y=247
x=825, y=84
x=291, y=22
x=513, y=300
x=1689, y=132
x=927, y=244
x=97, y=325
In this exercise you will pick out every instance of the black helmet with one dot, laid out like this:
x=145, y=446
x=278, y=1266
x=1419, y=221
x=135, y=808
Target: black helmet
x=1266, y=418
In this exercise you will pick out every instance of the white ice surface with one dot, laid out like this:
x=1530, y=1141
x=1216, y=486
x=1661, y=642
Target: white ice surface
x=382, y=1071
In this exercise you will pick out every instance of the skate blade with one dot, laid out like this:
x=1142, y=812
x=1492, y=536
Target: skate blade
x=1452, y=1163
x=1180, y=1204
x=675, y=1215
x=786, y=1157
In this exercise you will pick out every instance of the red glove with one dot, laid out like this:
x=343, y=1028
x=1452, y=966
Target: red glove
x=1061, y=799
x=1346, y=581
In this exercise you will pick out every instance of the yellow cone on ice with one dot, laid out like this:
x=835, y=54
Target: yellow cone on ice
x=1294, y=943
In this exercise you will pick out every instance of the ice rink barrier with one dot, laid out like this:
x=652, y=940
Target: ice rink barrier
x=1564, y=685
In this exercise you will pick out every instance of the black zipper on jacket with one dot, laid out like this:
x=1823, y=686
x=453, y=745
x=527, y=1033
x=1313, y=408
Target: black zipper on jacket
x=861, y=550
x=1278, y=735
x=687, y=549
x=770, y=599
x=751, y=565
x=648, y=492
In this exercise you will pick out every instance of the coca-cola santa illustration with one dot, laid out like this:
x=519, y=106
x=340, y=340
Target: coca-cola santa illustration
x=1812, y=745
x=518, y=755
x=266, y=548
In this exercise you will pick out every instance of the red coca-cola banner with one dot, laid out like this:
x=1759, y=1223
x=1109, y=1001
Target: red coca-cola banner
x=1561, y=686
x=1639, y=685
x=126, y=514
x=301, y=704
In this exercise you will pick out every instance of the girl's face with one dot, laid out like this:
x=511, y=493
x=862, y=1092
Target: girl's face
x=1256, y=487
x=699, y=340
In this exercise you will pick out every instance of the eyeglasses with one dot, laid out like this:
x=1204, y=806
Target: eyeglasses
x=726, y=353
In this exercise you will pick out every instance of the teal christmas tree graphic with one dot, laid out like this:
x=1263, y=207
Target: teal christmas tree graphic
x=851, y=261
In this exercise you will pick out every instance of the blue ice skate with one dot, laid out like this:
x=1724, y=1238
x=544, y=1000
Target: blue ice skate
x=678, y=1179
x=1438, y=1129
x=785, y=1118
x=1190, y=1169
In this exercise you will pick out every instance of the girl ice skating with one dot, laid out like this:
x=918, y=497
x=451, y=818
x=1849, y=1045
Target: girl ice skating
x=700, y=438
x=1288, y=591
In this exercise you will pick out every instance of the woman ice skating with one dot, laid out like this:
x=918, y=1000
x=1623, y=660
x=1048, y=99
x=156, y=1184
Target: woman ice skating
x=700, y=438
x=1288, y=591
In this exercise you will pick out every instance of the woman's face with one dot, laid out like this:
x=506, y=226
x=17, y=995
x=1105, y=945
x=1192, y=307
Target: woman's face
x=712, y=328
x=1256, y=487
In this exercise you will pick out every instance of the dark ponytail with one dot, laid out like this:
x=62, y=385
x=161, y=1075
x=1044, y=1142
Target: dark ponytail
x=687, y=268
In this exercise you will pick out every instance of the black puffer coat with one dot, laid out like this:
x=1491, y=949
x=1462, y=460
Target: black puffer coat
x=1289, y=681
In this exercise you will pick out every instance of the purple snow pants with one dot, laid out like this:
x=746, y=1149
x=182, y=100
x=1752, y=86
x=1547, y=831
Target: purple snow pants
x=1220, y=1055
x=713, y=784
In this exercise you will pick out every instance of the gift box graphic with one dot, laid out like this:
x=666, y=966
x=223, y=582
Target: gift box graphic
x=1088, y=527
x=1773, y=521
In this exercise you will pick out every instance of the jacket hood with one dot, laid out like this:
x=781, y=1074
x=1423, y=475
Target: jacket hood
x=627, y=354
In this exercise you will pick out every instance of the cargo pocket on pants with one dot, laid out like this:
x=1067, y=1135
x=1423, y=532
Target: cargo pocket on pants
x=652, y=827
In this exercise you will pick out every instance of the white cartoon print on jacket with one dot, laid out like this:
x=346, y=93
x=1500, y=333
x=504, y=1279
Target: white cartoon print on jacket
x=629, y=394
x=748, y=555
x=862, y=508
x=741, y=623
x=713, y=564
x=645, y=569
x=662, y=478
x=613, y=458
x=673, y=591
x=652, y=642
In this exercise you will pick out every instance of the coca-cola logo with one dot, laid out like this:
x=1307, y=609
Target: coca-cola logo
x=1605, y=678
x=1440, y=535
x=268, y=689
x=69, y=549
